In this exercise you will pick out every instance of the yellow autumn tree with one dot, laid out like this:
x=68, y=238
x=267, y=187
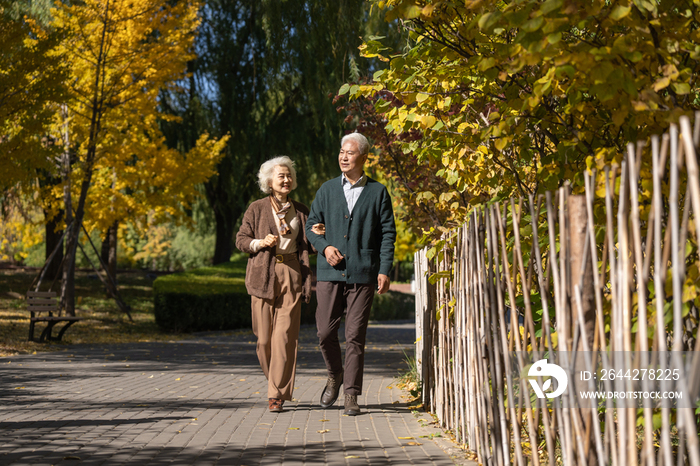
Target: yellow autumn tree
x=29, y=81
x=121, y=53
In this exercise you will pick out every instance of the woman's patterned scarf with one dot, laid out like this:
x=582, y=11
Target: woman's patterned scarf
x=281, y=212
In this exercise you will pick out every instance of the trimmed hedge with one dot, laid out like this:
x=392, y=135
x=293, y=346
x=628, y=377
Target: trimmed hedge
x=208, y=298
x=393, y=305
x=215, y=298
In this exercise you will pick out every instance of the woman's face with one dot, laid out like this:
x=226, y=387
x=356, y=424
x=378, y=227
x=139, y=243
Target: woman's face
x=281, y=182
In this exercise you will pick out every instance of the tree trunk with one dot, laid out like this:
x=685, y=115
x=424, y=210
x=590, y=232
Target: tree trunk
x=104, y=249
x=577, y=220
x=577, y=239
x=53, y=237
x=73, y=234
x=68, y=283
x=113, y=240
x=225, y=222
x=228, y=203
x=68, y=278
x=109, y=250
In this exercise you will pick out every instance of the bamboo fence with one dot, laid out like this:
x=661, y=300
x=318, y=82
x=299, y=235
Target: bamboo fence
x=527, y=264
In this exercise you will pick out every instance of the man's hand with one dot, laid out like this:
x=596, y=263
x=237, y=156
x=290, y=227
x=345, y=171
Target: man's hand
x=382, y=283
x=333, y=256
x=269, y=240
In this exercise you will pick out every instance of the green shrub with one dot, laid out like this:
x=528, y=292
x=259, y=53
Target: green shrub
x=393, y=305
x=215, y=298
x=209, y=298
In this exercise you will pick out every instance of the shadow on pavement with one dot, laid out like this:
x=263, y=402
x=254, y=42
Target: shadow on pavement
x=47, y=416
x=230, y=455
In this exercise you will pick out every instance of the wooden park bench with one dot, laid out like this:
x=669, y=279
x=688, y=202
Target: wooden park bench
x=40, y=303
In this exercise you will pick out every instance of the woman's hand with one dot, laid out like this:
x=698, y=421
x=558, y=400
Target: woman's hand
x=269, y=240
x=319, y=229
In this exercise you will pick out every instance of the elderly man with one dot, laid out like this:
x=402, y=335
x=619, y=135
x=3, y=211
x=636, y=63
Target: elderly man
x=351, y=224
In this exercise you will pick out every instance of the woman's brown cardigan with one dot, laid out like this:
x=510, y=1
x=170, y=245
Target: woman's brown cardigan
x=258, y=222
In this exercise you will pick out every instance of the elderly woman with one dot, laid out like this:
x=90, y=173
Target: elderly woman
x=278, y=276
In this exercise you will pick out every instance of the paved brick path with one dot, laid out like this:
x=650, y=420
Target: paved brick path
x=204, y=402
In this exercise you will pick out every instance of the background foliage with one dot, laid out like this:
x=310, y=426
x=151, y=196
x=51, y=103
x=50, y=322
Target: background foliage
x=507, y=98
x=263, y=73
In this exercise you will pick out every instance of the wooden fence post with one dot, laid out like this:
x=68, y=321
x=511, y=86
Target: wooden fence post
x=581, y=274
x=577, y=240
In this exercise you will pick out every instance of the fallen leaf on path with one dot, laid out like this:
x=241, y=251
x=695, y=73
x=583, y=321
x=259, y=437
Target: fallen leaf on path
x=323, y=431
x=293, y=428
x=414, y=443
x=324, y=420
x=351, y=456
x=405, y=438
x=178, y=378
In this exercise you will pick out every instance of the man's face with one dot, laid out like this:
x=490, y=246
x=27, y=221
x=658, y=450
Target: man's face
x=350, y=160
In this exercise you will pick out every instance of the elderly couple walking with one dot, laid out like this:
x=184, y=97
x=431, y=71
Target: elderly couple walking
x=351, y=225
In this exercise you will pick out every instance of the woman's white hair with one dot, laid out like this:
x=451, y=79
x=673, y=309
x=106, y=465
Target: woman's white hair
x=359, y=139
x=268, y=168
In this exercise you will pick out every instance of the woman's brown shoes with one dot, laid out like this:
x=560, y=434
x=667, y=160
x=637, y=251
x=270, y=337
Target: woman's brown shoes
x=275, y=405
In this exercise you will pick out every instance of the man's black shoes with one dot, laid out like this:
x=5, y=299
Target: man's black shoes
x=330, y=392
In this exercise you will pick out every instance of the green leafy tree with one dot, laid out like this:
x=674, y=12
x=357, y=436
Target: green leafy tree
x=264, y=73
x=413, y=181
x=517, y=97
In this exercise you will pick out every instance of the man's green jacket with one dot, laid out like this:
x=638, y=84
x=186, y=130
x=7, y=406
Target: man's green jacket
x=366, y=237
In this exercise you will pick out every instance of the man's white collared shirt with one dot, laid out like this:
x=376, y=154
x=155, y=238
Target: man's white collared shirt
x=352, y=191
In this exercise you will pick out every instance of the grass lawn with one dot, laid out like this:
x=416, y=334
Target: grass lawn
x=103, y=321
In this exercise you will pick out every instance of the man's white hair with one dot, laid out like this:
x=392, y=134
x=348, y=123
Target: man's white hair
x=268, y=168
x=359, y=139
